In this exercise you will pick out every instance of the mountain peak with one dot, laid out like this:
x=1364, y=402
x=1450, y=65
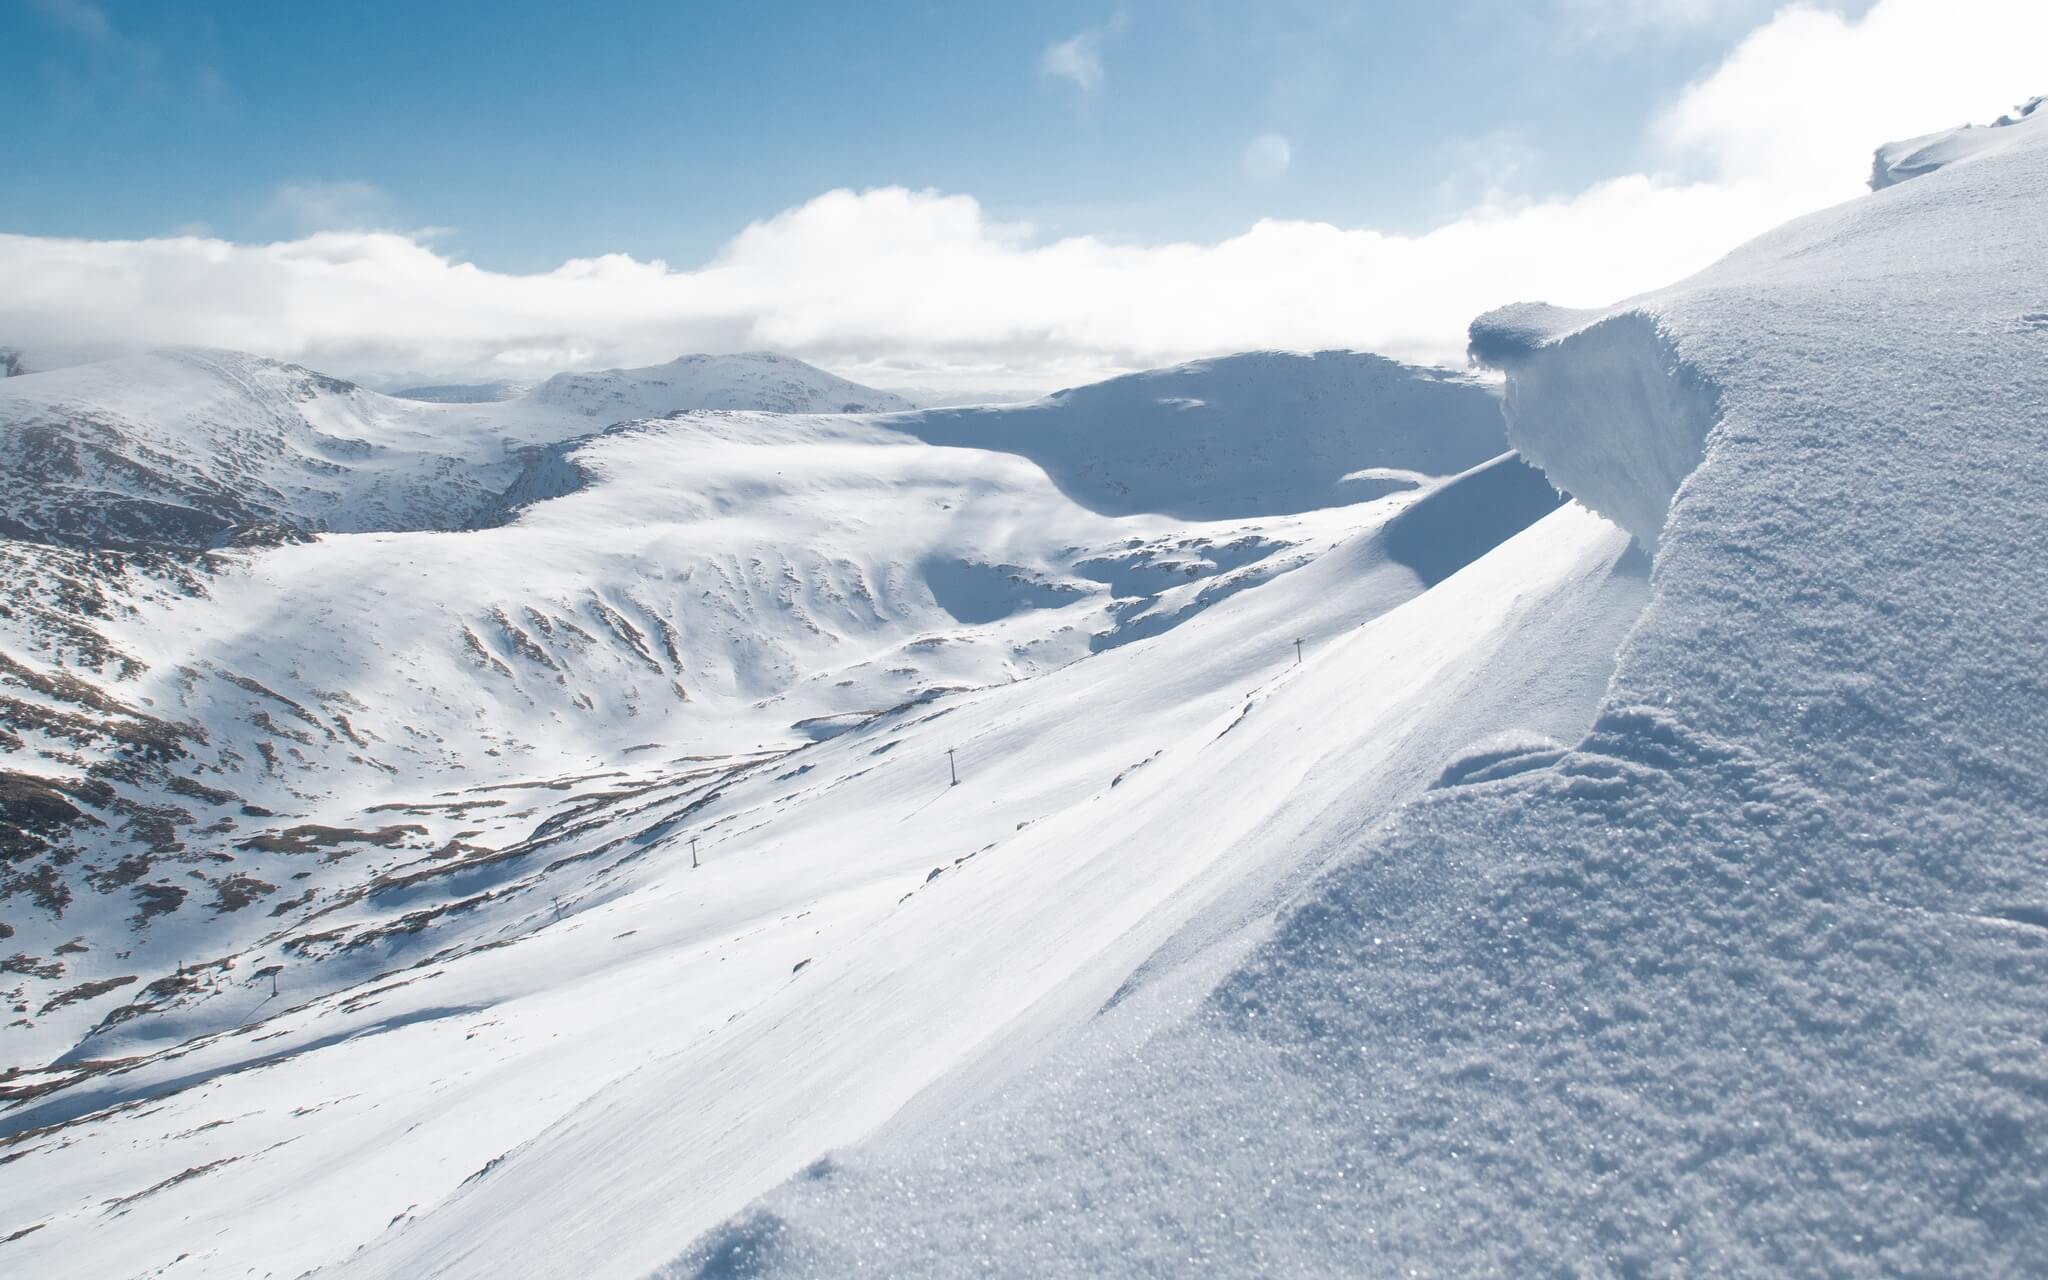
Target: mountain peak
x=759, y=380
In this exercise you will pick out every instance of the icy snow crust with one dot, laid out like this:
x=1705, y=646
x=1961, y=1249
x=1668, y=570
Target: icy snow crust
x=1752, y=979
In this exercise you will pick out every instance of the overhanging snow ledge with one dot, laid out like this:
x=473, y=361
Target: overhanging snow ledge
x=1602, y=404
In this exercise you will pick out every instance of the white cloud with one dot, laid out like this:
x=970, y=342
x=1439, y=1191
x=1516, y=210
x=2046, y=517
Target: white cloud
x=346, y=205
x=921, y=287
x=1078, y=58
x=894, y=284
x=1804, y=99
x=1268, y=157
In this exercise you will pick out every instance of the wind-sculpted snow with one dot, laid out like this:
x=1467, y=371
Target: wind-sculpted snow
x=1897, y=162
x=1468, y=516
x=1752, y=977
x=1616, y=421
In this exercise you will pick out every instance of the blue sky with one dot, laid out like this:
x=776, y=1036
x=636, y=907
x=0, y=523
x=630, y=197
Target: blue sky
x=660, y=129
x=956, y=196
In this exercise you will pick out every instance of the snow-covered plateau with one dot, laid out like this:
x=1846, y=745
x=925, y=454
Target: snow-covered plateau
x=1277, y=815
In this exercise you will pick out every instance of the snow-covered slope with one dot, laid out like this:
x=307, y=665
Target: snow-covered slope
x=1263, y=432
x=195, y=447
x=461, y=392
x=759, y=640
x=191, y=447
x=751, y=380
x=1896, y=162
x=1749, y=979
x=212, y=751
x=857, y=927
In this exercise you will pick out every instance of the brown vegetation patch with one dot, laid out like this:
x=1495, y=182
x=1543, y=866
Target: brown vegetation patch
x=312, y=837
x=84, y=991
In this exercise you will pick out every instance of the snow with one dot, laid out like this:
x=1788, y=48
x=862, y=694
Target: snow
x=717, y=584
x=1898, y=162
x=1619, y=426
x=750, y=640
x=752, y=380
x=1206, y=441
x=212, y=440
x=461, y=392
x=666, y=1000
x=1361, y=860
x=1751, y=979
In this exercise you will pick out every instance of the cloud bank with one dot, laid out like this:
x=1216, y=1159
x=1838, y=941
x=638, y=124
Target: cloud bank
x=899, y=286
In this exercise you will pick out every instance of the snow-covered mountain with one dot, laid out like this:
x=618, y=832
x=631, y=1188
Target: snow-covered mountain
x=1233, y=818
x=196, y=447
x=461, y=392
x=752, y=380
x=1199, y=440
x=211, y=735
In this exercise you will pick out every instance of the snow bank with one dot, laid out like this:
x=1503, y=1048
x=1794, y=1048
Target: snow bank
x=1897, y=162
x=1753, y=978
x=1468, y=516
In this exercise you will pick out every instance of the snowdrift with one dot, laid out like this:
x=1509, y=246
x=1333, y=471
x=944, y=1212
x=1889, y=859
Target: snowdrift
x=1898, y=162
x=1752, y=978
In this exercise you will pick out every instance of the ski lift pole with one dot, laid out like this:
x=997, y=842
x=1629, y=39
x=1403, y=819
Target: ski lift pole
x=1297, y=651
x=952, y=770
